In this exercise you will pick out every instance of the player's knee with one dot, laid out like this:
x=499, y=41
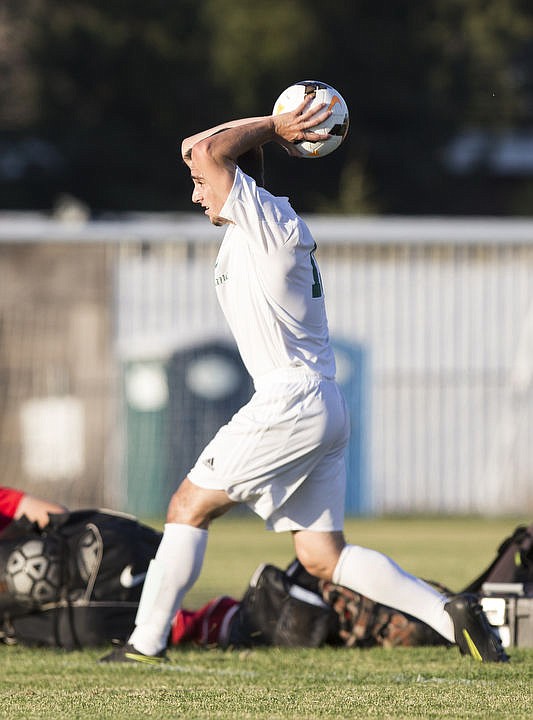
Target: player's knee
x=320, y=567
x=319, y=552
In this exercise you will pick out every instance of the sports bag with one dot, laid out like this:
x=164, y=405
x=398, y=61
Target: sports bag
x=292, y=608
x=276, y=611
x=513, y=562
x=75, y=583
x=364, y=623
x=361, y=622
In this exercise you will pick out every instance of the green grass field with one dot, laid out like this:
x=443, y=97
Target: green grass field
x=278, y=684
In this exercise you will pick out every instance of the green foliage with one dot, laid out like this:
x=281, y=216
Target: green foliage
x=116, y=85
x=476, y=42
x=255, y=46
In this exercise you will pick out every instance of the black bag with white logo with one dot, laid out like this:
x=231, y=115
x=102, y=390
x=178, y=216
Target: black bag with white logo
x=75, y=583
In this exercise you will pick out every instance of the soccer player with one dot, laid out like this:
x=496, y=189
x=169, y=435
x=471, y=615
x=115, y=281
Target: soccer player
x=282, y=454
x=16, y=503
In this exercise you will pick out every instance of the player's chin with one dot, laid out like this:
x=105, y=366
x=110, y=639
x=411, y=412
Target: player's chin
x=217, y=221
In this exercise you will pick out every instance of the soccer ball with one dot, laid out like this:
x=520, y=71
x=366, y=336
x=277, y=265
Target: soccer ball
x=336, y=125
x=32, y=574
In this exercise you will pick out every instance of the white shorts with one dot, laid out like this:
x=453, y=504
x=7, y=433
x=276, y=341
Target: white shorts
x=282, y=454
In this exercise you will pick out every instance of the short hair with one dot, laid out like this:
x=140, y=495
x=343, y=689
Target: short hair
x=252, y=163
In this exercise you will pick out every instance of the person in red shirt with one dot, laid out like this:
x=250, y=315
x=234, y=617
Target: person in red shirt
x=16, y=503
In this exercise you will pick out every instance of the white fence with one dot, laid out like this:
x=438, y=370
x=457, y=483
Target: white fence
x=441, y=311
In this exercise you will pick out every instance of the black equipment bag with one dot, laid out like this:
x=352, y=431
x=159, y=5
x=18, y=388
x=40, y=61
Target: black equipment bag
x=276, y=611
x=513, y=562
x=292, y=608
x=75, y=583
x=361, y=622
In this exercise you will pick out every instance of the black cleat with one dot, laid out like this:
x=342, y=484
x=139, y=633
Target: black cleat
x=473, y=633
x=128, y=654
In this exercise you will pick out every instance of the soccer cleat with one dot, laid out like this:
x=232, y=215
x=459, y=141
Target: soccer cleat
x=128, y=654
x=473, y=633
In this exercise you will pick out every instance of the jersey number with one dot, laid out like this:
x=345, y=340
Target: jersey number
x=317, y=283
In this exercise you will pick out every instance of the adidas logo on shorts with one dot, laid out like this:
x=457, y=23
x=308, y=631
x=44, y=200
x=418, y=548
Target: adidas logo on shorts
x=210, y=463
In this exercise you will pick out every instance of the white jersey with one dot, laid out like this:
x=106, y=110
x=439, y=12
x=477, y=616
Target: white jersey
x=269, y=286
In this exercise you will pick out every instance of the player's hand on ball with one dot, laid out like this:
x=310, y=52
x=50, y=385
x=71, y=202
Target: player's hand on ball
x=319, y=120
x=297, y=125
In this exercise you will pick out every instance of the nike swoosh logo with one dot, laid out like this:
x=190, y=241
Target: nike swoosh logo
x=128, y=580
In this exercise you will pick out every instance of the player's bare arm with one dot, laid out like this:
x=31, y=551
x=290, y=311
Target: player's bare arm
x=212, y=158
x=285, y=128
x=188, y=143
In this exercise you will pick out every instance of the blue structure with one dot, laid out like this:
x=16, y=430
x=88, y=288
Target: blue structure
x=352, y=376
x=207, y=383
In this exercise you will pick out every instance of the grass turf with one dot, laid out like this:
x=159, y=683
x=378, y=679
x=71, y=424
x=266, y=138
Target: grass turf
x=274, y=683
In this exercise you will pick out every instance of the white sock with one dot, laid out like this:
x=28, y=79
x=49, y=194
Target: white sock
x=378, y=577
x=174, y=570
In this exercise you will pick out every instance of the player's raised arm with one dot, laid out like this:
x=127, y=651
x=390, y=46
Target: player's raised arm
x=188, y=143
x=246, y=133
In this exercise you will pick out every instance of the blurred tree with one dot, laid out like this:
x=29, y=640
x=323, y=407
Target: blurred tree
x=17, y=91
x=114, y=85
x=115, y=79
x=259, y=48
x=417, y=72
